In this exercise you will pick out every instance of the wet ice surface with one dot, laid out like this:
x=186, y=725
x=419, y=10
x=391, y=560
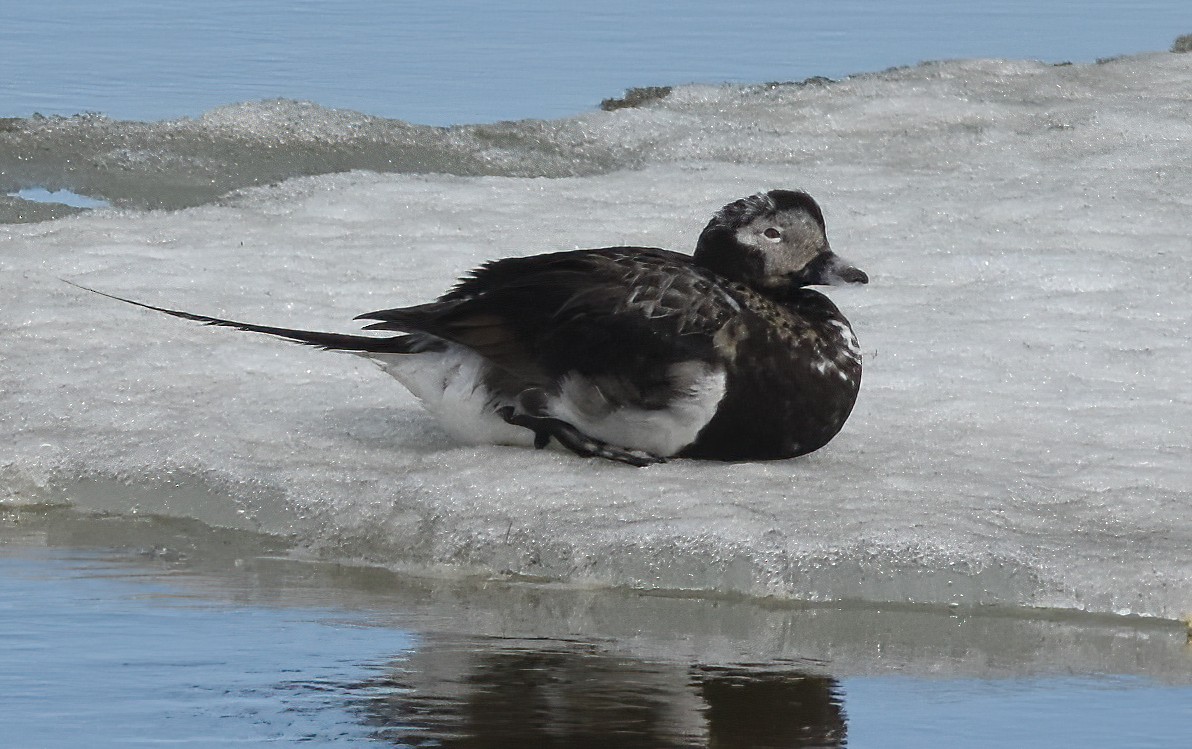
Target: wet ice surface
x=1021, y=437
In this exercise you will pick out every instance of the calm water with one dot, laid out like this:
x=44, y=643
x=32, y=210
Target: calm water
x=123, y=647
x=476, y=61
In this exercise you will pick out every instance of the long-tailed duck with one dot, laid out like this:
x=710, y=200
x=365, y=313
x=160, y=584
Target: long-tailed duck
x=635, y=354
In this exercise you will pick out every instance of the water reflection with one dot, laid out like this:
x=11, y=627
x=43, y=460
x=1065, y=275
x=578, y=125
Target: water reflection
x=763, y=708
x=502, y=693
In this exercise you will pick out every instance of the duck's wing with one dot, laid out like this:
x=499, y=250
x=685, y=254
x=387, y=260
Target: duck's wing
x=623, y=309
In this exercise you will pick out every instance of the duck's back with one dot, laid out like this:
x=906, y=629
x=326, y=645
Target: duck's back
x=617, y=310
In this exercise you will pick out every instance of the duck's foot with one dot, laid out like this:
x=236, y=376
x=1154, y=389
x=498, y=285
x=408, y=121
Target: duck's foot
x=545, y=427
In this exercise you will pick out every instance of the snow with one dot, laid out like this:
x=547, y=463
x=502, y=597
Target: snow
x=1024, y=424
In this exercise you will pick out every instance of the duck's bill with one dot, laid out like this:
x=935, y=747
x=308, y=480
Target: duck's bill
x=829, y=269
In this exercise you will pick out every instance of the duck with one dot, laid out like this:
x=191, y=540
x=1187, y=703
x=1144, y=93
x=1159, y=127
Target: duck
x=633, y=354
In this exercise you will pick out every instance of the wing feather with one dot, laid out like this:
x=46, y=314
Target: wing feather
x=591, y=311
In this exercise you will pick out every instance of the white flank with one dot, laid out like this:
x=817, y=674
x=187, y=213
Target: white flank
x=450, y=384
x=661, y=431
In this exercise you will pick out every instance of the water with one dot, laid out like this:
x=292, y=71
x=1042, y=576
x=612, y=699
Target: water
x=469, y=61
x=993, y=550
x=58, y=197
x=169, y=631
x=134, y=661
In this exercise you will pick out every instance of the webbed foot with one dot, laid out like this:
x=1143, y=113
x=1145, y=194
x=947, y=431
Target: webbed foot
x=545, y=427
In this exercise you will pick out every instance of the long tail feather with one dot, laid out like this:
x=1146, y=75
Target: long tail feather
x=403, y=344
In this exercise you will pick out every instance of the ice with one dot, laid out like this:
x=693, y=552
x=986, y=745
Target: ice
x=1022, y=434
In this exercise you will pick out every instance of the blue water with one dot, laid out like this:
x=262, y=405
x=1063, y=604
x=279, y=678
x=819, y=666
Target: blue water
x=94, y=656
x=897, y=713
x=465, y=61
x=101, y=651
x=62, y=197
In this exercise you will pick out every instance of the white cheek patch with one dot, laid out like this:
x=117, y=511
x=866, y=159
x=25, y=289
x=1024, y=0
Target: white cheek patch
x=800, y=241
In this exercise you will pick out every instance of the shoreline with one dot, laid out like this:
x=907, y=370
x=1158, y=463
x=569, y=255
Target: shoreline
x=841, y=639
x=185, y=162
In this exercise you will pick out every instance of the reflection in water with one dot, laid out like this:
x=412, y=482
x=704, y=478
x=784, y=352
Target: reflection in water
x=756, y=708
x=500, y=693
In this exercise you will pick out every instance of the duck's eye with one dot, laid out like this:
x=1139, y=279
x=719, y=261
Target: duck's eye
x=772, y=233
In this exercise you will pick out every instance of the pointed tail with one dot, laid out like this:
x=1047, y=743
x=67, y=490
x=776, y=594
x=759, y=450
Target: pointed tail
x=403, y=344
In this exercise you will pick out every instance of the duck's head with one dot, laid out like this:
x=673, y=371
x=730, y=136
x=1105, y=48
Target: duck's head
x=774, y=242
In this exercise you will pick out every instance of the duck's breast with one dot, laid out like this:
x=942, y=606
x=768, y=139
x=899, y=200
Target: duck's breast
x=791, y=384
